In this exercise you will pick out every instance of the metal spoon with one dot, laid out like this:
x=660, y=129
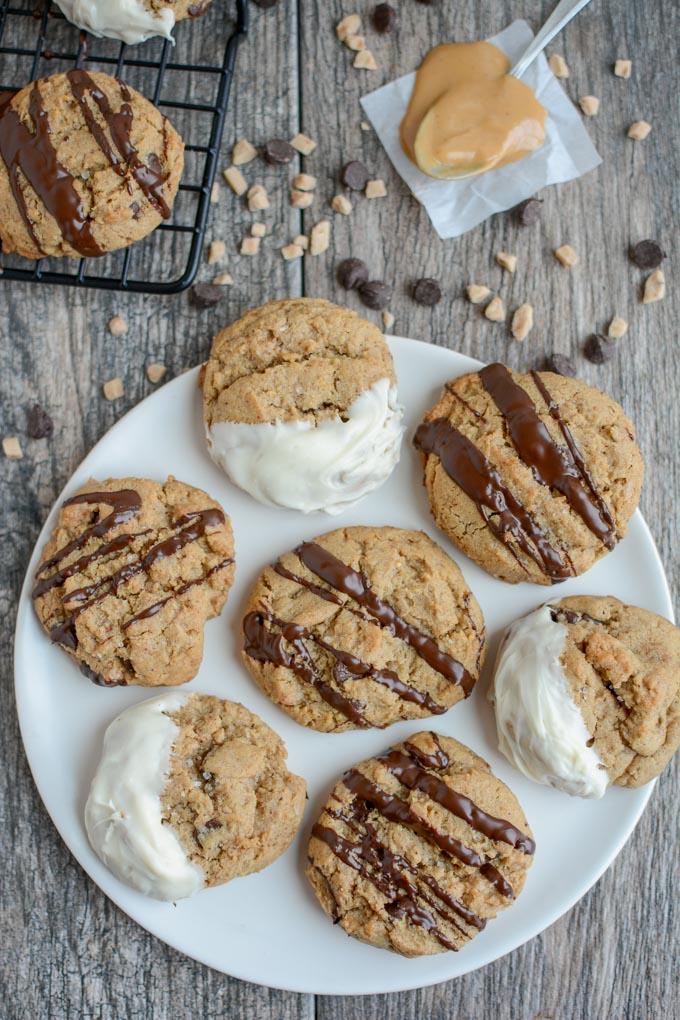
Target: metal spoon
x=561, y=16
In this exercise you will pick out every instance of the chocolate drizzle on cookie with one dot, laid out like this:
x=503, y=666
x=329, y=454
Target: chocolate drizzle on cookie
x=503, y=514
x=125, y=504
x=559, y=468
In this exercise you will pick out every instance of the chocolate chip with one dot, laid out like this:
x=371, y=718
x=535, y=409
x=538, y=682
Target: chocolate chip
x=206, y=295
x=278, y=151
x=213, y=823
x=375, y=294
x=427, y=291
x=384, y=18
x=528, y=212
x=599, y=348
x=559, y=363
x=352, y=273
x=647, y=254
x=354, y=175
x=39, y=425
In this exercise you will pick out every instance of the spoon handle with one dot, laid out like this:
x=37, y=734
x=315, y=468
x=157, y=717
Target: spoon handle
x=563, y=13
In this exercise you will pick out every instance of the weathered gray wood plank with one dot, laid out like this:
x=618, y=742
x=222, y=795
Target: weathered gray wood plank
x=68, y=951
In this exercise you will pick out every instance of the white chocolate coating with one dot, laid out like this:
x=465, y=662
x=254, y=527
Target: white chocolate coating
x=127, y=20
x=540, y=729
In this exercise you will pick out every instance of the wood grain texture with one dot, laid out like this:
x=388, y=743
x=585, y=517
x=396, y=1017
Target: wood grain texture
x=68, y=952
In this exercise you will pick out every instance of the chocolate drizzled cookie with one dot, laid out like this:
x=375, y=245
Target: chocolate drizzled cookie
x=361, y=627
x=87, y=165
x=418, y=847
x=132, y=572
x=533, y=476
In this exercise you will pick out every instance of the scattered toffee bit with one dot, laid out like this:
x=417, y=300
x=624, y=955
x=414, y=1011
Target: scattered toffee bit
x=599, y=348
x=11, y=447
x=654, y=288
x=352, y=273
x=647, y=254
x=243, y=152
x=427, y=292
x=117, y=326
x=113, y=388
x=39, y=425
x=529, y=212
x=384, y=18
x=278, y=152
x=355, y=176
x=205, y=295
x=216, y=252
x=375, y=294
x=375, y=189
x=365, y=61
x=559, y=363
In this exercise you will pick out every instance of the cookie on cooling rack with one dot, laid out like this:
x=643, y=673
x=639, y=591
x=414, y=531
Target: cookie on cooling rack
x=417, y=848
x=300, y=405
x=87, y=166
x=191, y=791
x=587, y=693
x=364, y=627
x=130, y=21
x=132, y=572
x=534, y=477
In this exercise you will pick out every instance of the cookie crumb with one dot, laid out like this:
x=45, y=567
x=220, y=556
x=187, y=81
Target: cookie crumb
x=355, y=42
x=257, y=198
x=301, y=199
x=388, y=319
x=320, y=237
x=216, y=252
x=155, y=371
x=304, y=182
x=495, y=310
x=292, y=251
x=303, y=144
x=341, y=204
x=566, y=256
x=258, y=229
x=590, y=105
x=348, y=26
x=113, y=389
x=215, y=193
x=507, y=261
x=477, y=292
x=655, y=287
x=522, y=322
x=623, y=68
x=11, y=447
x=250, y=245
x=375, y=189
x=617, y=328
x=639, y=130
x=223, y=280
x=118, y=326
x=235, y=179
x=243, y=152
x=558, y=66
x=302, y=240
x=365, y=61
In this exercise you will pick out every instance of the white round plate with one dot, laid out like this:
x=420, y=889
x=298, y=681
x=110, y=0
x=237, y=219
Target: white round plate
x=268, y=927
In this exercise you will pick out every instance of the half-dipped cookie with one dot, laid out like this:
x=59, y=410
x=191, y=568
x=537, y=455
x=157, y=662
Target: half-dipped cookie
x=363, y=627
x=191, y=791
x=417, y=848
x=87, y=166
x=587, y=693
x=534, y=476
x=300, y=405
x=133, y=570
x=131, y=21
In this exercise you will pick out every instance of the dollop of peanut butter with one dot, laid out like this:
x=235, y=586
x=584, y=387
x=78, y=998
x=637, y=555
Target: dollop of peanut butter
x=467, y=115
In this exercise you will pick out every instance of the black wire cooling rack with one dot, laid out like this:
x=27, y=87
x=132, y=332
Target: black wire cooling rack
x=36, y=40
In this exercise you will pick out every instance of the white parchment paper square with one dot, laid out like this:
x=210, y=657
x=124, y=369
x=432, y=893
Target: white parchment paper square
x=457, y=206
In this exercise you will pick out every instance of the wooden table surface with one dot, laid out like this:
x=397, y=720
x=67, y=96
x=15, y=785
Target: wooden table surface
x=67, y=951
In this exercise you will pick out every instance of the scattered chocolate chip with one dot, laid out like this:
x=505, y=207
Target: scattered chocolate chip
x=384, y=18
x=352, y=273
x=278, y=151
x=427, y=291
x=559, y=363
x=647, y=254
x=354, y=175
x=528, y=212
x=39, y=425
x=375, y=294
x=206, y=295
x=599, y=348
